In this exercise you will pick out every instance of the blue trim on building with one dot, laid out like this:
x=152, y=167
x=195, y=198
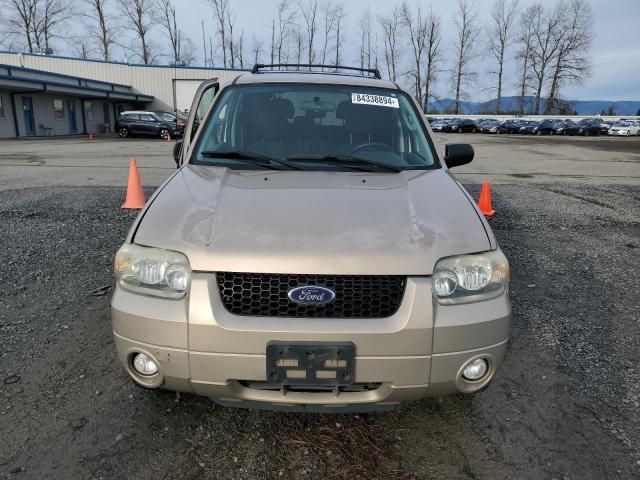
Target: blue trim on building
x=62, y=57
x=106, y=93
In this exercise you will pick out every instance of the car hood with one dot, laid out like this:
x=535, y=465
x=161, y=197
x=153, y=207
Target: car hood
x=312, y=222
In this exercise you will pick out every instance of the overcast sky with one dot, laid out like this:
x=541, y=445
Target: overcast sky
x=615, y=52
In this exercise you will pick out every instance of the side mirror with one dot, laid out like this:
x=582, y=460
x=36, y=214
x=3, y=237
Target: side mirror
x=456, y=154
x=177, y=148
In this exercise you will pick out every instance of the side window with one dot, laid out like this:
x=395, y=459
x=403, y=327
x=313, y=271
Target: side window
x=205, y=102
x=219, y=129
x=148, y=118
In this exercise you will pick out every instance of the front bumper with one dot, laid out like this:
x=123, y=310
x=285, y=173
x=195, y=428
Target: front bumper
x=203, y=349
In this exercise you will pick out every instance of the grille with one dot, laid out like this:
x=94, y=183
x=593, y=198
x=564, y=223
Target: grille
x=266, y=295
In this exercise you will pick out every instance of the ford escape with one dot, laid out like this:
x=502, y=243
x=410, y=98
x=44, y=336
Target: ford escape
x=311, y=252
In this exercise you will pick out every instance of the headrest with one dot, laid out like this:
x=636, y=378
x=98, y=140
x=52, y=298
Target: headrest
x=282, y=108
x=343, y=108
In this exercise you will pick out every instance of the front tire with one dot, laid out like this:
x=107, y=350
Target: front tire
x=123, y=132
x=165, y=134
x=459, y=130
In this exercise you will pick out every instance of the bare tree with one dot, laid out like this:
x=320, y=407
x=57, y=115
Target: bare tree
x=500, y=36
x=167, y=18
x=391, y=30
x=365, y=24
x=415, y=28
x=574, y=38
x=256, y=48
x=237, y=52
x=329, y=20
x=546, y=28
x=340, y=17
x=221, y=12
x=38, y=21
x=21, y=19
x=310, y=16
x=100, y=28
x=525, y=42
x=50, y=17
x=231, y=39
x=466, y=34
x=282, y=29
x=139, y=15
x=297, y=39
x=434, y=37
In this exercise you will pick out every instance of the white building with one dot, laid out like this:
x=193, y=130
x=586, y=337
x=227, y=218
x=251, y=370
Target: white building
x=50, y=95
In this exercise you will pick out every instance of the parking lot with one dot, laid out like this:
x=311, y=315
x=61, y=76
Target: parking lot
x=565, y=405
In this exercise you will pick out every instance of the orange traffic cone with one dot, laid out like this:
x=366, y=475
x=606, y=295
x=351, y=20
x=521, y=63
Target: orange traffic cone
x=135, y=196
x=484, y=202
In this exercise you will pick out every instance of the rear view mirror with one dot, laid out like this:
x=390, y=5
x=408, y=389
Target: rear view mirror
x=456, y=154
x=176, y=152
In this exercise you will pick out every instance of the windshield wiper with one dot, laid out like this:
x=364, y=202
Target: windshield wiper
x=252, y=158
x=347, y=160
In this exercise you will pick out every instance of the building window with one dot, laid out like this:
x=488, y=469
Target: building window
x=1, y=106
x=58, y=109
x=88, y=108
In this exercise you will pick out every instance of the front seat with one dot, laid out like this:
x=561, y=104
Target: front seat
x=270, y=128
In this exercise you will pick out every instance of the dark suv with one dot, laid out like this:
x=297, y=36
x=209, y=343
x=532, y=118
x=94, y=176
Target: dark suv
x=147, y=123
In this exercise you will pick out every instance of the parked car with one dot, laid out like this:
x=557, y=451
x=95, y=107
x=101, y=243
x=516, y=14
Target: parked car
x=526, y=126
x=439, y=125
x=624, y=129
x=545, y=127
x=461, y=125
x=179, y=118
x=510, y=126
x=298, y=263
x=560, y=127
x=585, y=127
x=491, y=126
x=146, y=123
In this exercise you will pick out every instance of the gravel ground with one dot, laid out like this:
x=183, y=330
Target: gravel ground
x=565, y=405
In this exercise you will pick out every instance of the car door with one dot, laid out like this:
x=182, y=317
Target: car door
x=149, y=124
x=200, y=106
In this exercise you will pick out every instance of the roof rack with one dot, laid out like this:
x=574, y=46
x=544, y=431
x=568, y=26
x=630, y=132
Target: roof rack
x=299, y=66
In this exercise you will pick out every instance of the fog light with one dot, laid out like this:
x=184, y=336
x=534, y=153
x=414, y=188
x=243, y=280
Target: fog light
x=144, y=365
x=475, y=369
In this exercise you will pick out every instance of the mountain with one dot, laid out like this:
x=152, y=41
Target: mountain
x=510, y=104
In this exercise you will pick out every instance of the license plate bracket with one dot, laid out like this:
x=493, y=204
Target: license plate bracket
x=310, y=364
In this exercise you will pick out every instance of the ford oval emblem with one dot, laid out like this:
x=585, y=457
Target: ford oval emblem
x=311, y=295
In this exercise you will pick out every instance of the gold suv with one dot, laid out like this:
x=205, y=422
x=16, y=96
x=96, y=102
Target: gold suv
x=311, y=252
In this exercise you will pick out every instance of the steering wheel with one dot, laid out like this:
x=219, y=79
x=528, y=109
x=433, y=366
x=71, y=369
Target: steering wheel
x=363, y=146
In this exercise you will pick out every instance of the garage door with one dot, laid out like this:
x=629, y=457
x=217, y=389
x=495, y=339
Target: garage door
x=185, y=91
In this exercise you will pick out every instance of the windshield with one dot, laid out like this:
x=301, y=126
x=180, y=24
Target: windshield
x=622, y=124
x=314, y=127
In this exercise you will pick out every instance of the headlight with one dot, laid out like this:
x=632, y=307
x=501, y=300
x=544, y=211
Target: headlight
x=470, y=278
x=152, y=271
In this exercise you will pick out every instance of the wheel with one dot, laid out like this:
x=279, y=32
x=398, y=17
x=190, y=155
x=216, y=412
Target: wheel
x=585, y=133
x=539, y=132
x=459, y=130
x=165, y=134
x=473, y=130
x=123, y=132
